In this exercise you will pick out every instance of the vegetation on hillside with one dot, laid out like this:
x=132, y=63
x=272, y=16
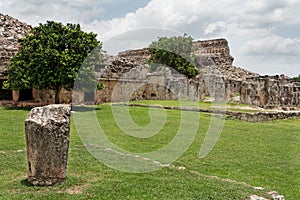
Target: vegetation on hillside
x=296, y=78
x=174, y=52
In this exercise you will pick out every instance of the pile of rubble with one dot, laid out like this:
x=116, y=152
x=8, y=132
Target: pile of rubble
x=229, y=72
x=11, y=30
x=116, y=67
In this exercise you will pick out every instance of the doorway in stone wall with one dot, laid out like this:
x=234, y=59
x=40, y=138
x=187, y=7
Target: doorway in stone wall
x=5, y=94
x=25, y=95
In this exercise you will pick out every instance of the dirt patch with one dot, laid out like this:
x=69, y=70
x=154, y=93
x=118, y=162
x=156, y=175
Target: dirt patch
x=77, y=189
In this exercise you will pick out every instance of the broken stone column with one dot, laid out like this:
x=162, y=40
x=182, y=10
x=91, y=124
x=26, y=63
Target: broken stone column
x=47, y=131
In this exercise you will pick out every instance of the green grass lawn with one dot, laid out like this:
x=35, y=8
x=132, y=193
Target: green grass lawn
x=265, y=155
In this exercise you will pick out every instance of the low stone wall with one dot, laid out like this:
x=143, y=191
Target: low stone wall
x=263, y=116
x=46, y=97
x=249, y=117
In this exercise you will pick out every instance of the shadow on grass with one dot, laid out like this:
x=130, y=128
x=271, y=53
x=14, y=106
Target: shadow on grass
x=81, y=108
x=26, y=183
x=85, y=108
x=18, y=108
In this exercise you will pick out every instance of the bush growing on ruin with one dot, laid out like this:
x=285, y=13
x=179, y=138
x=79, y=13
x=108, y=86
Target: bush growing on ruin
x=296, y=78
x=175, y=52
x=50, y=57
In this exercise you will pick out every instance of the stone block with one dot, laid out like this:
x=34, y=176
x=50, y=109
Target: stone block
x=47, y=131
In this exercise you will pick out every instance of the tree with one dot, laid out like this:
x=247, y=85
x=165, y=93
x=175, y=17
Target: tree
x=174, y=52
x=50, y=57
x=296, y=78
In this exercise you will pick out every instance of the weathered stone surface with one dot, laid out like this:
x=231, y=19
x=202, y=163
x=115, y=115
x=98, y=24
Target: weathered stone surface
x=263, y=116
x=130, y=69
x=124, y=72
x=11, y=30
x=47, y=131
x=139, y=55
x=270, y=91
x=217, y=50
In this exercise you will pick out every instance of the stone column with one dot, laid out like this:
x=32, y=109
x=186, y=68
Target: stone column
x=47, y=131
x=16, y=95
x=35, y=94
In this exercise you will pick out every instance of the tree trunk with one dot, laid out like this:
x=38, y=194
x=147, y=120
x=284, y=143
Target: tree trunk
x=57, y=92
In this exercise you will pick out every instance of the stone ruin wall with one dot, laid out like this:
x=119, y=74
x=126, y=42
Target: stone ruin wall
x=172, y=88
x=47, y=96
x=253, y=89
x=11, y=30
x=270, y=91
x=139, y=55
x=154, y=86
x=210, y=52
x=217, y=50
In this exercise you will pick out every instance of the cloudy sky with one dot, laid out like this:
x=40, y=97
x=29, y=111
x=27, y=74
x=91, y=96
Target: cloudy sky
x=264, y=35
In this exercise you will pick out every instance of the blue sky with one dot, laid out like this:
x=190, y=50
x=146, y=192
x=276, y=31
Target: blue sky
x=263, y=34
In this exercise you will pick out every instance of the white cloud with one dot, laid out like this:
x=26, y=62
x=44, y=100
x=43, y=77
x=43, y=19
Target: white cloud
x=214, y=27
x=273, y=45
x=39, y=11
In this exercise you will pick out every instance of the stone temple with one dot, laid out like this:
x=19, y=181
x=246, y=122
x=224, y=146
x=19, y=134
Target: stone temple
x=128, y=76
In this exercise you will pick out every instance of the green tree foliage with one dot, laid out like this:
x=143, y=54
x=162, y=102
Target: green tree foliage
x=296, y=78
x=50, y=57
x=174, y=52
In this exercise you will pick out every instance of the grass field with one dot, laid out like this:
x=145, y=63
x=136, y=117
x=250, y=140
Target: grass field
x=247, y=154
x=229, y=106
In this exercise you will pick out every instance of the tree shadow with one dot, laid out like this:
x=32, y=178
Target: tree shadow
x=83, y=108
x=18, y=108
x=26, y=183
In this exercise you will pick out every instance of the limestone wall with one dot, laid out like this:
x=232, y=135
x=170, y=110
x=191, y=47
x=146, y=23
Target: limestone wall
x=138, y=54
x=217, y=50
x=11, y=30
x=154, y=87
x=263, y=116
x=128, y=76
x=46, y=97
x=270, y=91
